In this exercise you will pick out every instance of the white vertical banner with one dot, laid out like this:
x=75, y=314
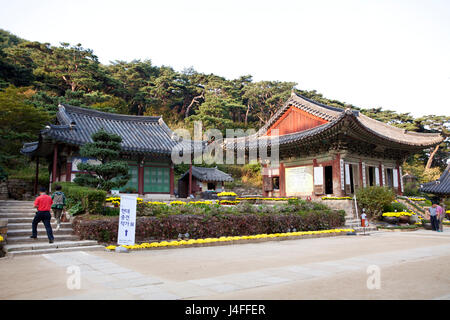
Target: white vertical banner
x=401, y=178
x=347, y=173
x=377, y=176
x=395, y=174
x=342, y=174
x=363, y=166
x=383, y=176
x=127, y=220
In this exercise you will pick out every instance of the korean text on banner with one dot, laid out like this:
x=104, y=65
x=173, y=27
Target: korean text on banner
x=127, y=220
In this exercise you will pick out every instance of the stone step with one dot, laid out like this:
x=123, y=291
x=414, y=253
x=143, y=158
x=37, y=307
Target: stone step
x=55, y=250
x=13, y=226
x=352, y=225
x=27, y=220
x=15, y=203
x=41, y=238
x=17, y=215
x=41, y=232
x=43, y=245
x=17, y=210
x=368, y=229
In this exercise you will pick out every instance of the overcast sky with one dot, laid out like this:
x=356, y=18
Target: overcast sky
x=390, y=54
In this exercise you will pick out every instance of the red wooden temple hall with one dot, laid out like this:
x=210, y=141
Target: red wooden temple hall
x=147, y=143
x=325, y=150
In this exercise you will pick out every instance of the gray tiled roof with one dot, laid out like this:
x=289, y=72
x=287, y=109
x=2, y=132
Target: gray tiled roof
x=208, y=174
x=440, y=186
x=139, y=134
x=333, y=115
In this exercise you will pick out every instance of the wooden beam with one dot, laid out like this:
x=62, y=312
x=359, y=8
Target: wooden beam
x=190, y=179
x=55, y=162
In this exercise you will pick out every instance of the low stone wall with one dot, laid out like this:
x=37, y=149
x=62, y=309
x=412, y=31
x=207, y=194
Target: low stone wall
x=3, y=233
x=18, y=189
x=4, y=191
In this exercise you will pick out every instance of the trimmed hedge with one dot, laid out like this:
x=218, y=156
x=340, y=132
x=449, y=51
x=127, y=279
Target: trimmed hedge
x=201, y=226
x=91, y=200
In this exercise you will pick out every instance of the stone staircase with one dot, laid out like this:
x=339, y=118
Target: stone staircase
x=353, y=223
x=19, y=215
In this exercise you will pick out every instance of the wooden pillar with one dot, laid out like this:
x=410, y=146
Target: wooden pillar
x=361, y=181
x=190, y=179
x=55, y=162
x=68, y=171
x=140, y=178
x=282, y=181
x=381, y=174
x=36, y=178
x=399, y=188
x=172, y=181
x=338, y=188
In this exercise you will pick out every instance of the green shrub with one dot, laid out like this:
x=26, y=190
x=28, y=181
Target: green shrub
x=395, y=206
x=205, y=226
x=111, y=211
x=3, y=175
x=374, y=199
x=92, y=200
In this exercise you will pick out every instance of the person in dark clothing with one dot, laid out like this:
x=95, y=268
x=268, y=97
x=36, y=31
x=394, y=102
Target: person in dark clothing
x=43, y=204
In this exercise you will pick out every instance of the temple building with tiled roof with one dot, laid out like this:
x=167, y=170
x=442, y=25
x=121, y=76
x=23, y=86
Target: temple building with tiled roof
x=439, y=187
x=325, y=150
x=203, y=179
x=147, y=144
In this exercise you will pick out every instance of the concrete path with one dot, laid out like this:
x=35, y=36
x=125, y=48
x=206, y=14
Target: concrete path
x=413, y=265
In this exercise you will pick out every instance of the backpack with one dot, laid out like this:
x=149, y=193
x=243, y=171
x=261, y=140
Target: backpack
x=58, y=198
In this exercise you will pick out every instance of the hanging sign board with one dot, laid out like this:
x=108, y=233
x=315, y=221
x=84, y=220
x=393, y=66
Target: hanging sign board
x=299, y=181
x=127, y=220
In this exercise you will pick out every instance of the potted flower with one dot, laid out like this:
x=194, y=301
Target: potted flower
x=230, y=196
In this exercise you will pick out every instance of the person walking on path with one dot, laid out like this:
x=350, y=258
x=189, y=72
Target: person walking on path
x=434, y=209
x=440, y=214
x=59, y=202
x=43, y=204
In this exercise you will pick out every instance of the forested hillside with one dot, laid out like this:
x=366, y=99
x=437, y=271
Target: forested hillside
x=35, y=77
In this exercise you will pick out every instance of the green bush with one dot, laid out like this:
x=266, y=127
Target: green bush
x=392, y=207
x=374, y=199
x=91, y=200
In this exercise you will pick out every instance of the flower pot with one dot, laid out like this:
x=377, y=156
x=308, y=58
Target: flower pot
x=403, y=219
x=427, y=225
x=413, y=219
x=391, y=220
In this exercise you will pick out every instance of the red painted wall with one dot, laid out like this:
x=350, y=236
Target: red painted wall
x=295, y=120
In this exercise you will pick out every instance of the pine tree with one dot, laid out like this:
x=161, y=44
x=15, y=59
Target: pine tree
x=110, y=173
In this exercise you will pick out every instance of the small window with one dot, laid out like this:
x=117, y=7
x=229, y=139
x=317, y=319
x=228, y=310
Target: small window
x=276, y=183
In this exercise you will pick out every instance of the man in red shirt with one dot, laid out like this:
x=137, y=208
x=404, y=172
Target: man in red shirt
x=43, y=203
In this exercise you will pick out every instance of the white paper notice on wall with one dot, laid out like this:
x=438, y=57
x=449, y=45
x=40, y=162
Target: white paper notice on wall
x=382, y=175
x=342, y=174
x=395, y=174
x=347, y=173
x=401, y=179
x=318, y=176
x=377, y=176
x=127, y=220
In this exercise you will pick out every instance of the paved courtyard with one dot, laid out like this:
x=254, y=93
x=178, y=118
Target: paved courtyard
x=413, y=265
